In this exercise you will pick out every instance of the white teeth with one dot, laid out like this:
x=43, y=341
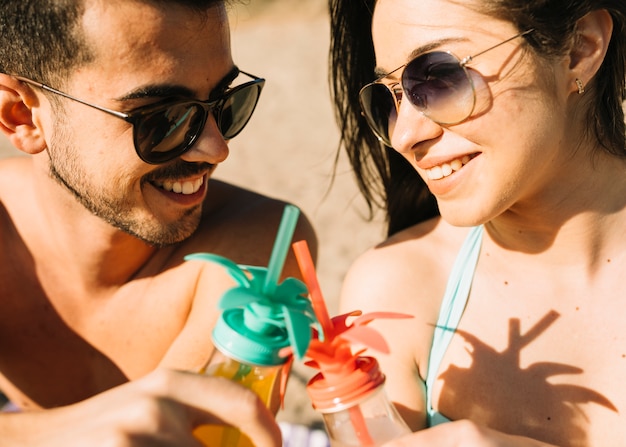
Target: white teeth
x=445, y=169
x=189, y=188
x=435, y=173
x=183, y=187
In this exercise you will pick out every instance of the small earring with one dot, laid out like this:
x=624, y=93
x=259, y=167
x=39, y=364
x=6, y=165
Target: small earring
x=581, y=87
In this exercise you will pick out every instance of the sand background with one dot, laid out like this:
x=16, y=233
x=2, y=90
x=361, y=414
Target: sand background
x=289, y=147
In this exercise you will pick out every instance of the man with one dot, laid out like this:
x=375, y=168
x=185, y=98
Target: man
x=109, y=98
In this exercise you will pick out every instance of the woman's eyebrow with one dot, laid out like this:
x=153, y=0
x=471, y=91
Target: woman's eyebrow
x=430, y=46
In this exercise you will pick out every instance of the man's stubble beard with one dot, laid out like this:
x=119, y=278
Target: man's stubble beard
x=65, y=169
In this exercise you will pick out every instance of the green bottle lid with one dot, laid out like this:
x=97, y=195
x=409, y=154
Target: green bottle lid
x=260, y=316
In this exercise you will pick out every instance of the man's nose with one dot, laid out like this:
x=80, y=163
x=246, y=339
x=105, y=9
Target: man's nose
x=209, y=147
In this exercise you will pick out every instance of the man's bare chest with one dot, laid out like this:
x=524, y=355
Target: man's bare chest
x=57, y=348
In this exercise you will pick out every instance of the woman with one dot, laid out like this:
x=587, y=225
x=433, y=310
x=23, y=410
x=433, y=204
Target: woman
x=492, y=135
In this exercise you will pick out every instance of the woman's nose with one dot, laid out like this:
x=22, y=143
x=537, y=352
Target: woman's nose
x=411, y=127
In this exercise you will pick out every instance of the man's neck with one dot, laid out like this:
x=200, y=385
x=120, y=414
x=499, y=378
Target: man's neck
x=87, y=248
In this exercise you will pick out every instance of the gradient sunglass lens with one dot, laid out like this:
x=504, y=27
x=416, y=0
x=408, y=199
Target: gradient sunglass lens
x=440, y=87
x=435, y=83
x=378, y=106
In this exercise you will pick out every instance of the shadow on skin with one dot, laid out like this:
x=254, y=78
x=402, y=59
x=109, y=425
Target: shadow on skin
x=537, y=408
x=62, y=367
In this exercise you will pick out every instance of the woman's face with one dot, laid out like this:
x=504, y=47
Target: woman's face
x=515, y=144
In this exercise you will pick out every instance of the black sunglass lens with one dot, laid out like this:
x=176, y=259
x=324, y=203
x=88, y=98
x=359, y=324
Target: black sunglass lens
x=237, y=109
x=379, y=108
x=439, y=86
x=166, y=134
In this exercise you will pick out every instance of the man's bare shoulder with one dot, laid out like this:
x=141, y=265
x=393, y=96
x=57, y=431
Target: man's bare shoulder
x=227, y=199
x=242, y=224
x=15, y=185
x=14, y=170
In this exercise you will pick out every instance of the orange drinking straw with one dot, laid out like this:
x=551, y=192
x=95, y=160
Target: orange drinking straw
x=307, y=268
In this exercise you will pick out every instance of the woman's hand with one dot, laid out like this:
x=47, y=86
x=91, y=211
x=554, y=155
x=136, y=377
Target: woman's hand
x=463, y=434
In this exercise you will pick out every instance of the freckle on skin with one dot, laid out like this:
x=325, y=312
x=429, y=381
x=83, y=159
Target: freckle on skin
x=608, y=260
x=506, y=283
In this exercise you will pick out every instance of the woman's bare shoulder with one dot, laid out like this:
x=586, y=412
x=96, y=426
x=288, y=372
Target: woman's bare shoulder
x=407, y=274
x=410, y=268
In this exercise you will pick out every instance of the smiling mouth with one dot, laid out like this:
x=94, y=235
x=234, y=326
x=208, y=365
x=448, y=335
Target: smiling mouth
x=447, y=169
x=184, y=187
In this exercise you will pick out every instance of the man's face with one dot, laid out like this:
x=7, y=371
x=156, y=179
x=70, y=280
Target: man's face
x=142, y=55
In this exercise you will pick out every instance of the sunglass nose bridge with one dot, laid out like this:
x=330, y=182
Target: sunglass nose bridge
x=466, y=60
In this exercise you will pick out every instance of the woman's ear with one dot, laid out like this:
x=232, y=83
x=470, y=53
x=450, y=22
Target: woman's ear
x=17, y=103
x=593, y=34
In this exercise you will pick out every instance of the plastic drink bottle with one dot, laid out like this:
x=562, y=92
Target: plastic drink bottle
x=248, y=340
x=349, y=389
x=249, y=358
x=260, y=319
x=356, y=410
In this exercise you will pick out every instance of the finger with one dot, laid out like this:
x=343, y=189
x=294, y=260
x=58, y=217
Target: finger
x=461, y=433
x=152, y=440
x=214, y=400
x=426, y=437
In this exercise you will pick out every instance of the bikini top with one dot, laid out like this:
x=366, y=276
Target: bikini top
x=452, y=307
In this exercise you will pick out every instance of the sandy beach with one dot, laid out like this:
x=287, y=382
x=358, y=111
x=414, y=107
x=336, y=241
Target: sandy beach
x=289, y=147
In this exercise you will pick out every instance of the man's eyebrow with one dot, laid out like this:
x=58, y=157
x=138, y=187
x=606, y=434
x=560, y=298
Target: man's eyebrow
x=379, y=72
x=227, y=80
x=166, y=91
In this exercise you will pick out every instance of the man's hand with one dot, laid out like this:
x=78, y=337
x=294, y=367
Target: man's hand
x=159, y=410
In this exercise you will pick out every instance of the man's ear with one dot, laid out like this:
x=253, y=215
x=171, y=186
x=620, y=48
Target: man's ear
x=17, y=122
x=593, y=34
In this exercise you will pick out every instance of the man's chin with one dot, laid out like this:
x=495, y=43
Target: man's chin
x=162, y=237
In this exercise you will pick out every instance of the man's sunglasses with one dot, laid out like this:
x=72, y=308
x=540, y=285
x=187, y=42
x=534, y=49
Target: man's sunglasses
x=437, y=83
x=167, y=129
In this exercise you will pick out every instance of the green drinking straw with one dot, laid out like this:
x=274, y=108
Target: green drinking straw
x=281, y=247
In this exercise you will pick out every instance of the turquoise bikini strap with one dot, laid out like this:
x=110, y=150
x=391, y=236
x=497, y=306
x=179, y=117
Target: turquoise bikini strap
x=452, y=307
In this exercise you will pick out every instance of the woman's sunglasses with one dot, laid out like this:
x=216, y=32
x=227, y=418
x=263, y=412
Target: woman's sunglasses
x=437, y=83
x=167, y=129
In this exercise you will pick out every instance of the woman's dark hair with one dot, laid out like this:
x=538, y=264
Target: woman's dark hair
x=384, y=177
